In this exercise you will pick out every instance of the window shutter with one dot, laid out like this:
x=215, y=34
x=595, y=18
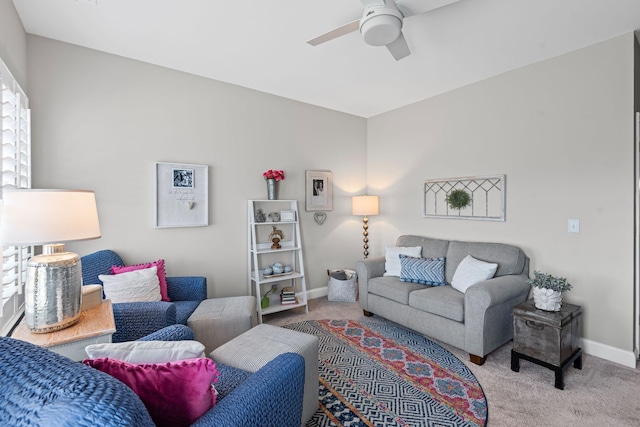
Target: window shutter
x=15, y=145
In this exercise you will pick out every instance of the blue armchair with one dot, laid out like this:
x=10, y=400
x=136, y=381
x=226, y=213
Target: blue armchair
x=138, y=319
x=40, y=387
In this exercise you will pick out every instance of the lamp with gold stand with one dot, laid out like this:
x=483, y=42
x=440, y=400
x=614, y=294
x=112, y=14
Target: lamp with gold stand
x=53, y=291
x=366, y=206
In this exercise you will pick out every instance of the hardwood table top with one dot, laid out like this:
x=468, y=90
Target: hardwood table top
x=94, y=322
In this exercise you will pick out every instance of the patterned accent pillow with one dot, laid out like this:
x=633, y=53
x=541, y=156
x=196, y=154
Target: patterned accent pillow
x=147, y=351
x=175, y=393
x=426, y=271
x=162, y=275
x=134, y=286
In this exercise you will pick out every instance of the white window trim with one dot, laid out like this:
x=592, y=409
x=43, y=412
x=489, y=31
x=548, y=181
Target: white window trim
x=15, y=172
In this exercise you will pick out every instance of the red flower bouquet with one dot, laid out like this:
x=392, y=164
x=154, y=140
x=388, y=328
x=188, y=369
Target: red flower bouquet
x=278, y=175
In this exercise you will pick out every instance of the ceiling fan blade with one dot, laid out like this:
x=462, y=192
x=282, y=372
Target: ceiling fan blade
x=399, y=48
x=416, y=7
x=336, y=32
x=369, y=3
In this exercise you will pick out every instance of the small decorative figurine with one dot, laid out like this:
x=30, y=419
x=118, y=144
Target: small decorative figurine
x=274, y=217
x=260, y=216
x=275, y=236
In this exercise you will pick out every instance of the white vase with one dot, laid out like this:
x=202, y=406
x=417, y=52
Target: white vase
x=547, y=299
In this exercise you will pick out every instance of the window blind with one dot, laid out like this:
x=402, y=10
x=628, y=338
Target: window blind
x=15, y=144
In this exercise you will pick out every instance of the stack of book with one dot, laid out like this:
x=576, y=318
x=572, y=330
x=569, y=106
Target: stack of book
x=288, y=295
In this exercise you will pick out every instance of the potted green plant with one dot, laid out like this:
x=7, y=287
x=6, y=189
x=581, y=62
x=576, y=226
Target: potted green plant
x=458, y=199
x=547, y=290
x=265, y=301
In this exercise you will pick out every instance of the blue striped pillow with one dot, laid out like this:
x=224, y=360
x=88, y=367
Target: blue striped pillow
x=426, y=271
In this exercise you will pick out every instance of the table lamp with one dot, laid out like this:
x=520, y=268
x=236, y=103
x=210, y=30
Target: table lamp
x=53, y=291
x=365, y=205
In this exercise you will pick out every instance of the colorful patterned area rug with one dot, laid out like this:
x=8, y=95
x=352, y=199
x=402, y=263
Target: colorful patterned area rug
x=374, y=374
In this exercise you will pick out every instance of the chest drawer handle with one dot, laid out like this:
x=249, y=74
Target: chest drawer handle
x=534, y=325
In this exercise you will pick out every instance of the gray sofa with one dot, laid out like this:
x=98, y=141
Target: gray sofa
x=477, y=321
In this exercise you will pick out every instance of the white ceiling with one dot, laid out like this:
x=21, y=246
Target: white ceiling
x=262, y=45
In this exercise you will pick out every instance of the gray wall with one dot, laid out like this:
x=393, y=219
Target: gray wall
x=13, y=42
x=100, y=121
x=562, y=132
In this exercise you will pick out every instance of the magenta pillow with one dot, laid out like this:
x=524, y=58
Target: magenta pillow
x=162, y=276
x=175, y=393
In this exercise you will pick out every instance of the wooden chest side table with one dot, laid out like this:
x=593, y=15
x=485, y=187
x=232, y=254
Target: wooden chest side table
x=95, y=326
x=547, y=338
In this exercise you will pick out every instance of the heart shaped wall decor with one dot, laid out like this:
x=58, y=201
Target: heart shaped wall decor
x=319, y=217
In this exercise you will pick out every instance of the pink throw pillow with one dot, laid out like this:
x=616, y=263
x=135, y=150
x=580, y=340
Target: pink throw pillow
x=162, y=276
x=175, y=393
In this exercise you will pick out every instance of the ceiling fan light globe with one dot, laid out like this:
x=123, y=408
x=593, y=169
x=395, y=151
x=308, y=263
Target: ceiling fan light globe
x=380, y=29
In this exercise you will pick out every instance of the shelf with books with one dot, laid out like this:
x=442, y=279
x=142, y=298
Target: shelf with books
x=271, y=243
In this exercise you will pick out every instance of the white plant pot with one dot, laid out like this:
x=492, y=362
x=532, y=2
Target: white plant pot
x=547, y=299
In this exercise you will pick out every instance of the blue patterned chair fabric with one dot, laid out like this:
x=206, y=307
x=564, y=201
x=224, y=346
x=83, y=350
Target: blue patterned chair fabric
x=137, y=319
x=42, y=388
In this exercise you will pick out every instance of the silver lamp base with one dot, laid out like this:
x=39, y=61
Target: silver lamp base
x=53, y=292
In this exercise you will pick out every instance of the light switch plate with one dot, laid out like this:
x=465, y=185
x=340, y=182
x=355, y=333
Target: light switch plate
x=573, y=226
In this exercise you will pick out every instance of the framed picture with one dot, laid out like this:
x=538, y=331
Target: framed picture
x=181, y=195
x=319, y=189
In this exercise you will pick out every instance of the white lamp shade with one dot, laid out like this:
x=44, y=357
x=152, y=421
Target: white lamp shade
x=364, y=205
x=37, y=217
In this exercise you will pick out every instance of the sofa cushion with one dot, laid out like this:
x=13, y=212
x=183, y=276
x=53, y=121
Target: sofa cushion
x=392, y=288
x=471, y=271
x=431, y=248
x=392, y=265
x=425, y=271
x=510, y=259
x=440, y=300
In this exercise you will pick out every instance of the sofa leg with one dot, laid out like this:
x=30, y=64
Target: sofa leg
x=367, y=313
x=477, y=359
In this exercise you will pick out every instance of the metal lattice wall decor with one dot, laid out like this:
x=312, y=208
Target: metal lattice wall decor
x=487, y=197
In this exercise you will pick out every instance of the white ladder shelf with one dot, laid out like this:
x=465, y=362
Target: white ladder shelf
x=260, y=255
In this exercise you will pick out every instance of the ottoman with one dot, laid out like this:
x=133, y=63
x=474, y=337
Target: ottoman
x=256, y=347
x=219, y=320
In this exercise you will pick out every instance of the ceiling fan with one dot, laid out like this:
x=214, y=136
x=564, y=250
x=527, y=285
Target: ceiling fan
x=381, y=23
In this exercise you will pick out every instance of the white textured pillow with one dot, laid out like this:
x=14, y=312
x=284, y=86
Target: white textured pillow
x=471, y=271
x=134, y=286
x=147, y=351
x=392, y=265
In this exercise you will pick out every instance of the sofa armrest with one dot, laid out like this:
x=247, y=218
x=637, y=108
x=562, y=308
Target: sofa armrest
x=187, y=288
x=134, y=320
x=368, y=269
x=487, y=312
x=258, y=401
x=177, y=332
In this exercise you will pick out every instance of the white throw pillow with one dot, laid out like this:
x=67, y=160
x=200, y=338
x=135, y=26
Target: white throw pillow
x=147, y=351
x=471, y=271
x=392, y=265
x=134, y=286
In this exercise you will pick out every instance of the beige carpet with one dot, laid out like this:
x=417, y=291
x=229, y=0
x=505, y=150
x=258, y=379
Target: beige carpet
x=601, y=394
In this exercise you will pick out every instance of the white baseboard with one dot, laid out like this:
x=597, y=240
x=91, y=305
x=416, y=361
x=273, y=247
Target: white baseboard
x=318, y=292
x=612, y=354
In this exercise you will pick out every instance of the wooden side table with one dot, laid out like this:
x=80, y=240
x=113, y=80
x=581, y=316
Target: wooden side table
x=547, y=338
x=95, y=326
